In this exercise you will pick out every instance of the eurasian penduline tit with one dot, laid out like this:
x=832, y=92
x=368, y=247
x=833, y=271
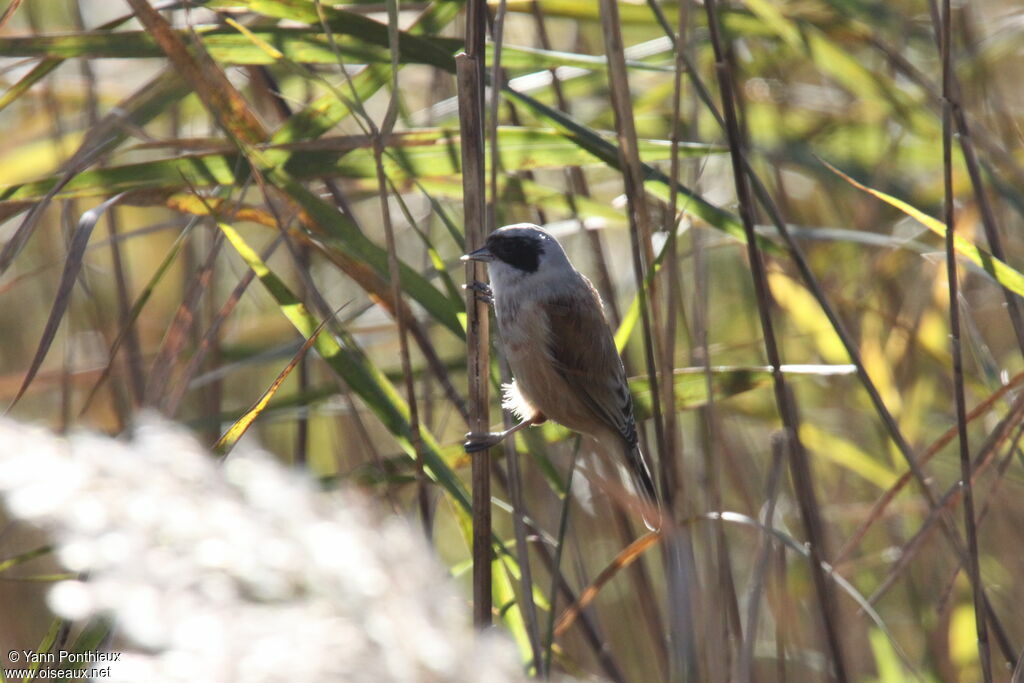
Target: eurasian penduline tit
x=561, y=350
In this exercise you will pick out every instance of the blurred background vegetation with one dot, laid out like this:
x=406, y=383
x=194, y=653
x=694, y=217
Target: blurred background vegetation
x=242, y=136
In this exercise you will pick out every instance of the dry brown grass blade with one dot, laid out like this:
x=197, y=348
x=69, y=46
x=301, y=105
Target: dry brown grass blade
x=625, y=558
x=128, y=322
x=1001, y=470
x=952, y=497
x=72, y=267
x=995, y=150
x=990, y=496
x=589, y=626
x=178, y=333
x=133, y=347
x=9, y=12
x=233, y=113
x=882, y=504
x=46, y=380
x=177, y=393
x=207, y=79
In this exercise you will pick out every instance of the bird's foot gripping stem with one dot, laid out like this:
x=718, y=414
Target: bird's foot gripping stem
x=476, y=442
x=482, y=289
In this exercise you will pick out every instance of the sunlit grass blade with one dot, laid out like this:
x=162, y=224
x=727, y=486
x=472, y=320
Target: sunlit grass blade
x=520, y=57
x=342, y=243
x=226, y=46
x=354, y=36
x=412, y=48
x=233, y=433
x=534, y=194
x=278, y=406
x=1005, y=275
x=509, y=609
x=341, y=234
x=428, y=153
x=845, y=454
x=352, y=366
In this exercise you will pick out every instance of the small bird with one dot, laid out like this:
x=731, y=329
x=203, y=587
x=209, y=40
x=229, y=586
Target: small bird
x=560, y=348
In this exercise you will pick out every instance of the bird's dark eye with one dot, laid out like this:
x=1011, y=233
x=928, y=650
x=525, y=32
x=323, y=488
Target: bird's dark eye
x=519, y=252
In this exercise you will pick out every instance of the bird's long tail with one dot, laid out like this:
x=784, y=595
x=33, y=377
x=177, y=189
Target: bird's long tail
x=644, y=484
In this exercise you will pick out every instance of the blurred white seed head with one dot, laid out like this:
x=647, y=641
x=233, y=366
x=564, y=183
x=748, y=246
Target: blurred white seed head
x=240, y=572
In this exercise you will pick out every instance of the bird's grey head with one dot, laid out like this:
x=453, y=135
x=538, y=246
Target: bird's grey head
x=520, y=250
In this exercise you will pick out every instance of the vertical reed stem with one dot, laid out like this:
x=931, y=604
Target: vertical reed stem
x=470, y=75
x=973, y=570
x=799, y=465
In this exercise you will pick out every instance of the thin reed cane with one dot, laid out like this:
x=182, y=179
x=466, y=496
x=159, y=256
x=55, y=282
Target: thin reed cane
x=799, y=465
x=470, y=76
x=973, y=570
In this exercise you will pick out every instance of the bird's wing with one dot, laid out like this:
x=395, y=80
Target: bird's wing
x=583, y=351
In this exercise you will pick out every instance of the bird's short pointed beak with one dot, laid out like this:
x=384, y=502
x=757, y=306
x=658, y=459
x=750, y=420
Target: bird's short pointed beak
x=481, y=254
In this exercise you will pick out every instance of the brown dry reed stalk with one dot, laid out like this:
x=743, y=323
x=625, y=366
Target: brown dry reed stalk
x=849, y=343
x=640, y=227
x=973, y=571
x=799, y=464
x=470, y=76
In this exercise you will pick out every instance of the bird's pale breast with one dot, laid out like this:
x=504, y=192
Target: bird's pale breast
x=525, y=333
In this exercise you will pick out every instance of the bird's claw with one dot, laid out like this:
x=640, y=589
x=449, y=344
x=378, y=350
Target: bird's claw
x=475, y=443
x=482, y=289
